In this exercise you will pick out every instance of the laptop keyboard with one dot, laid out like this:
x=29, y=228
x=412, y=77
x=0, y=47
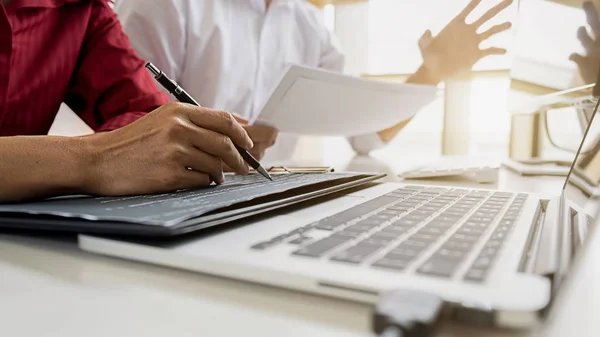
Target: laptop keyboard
x=437, y=227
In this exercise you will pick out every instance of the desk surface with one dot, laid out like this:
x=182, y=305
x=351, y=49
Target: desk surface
x=51, y=288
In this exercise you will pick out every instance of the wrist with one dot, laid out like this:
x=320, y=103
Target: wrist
x=426, y=76
x=89, y=163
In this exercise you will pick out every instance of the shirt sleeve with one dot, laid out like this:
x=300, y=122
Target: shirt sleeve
x=110, y=87
x=332, y=57
x=157, y=29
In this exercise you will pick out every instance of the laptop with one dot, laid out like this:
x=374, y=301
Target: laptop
x=499, y=257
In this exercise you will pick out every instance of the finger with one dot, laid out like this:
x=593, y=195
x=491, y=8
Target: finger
x=495, y=30
x=240, y=119
x=218, y=145
x=592, y=17
x=577, y=58
x=492, y=51
x=191, y=180
x=492, y=13
x=203, y=162
x=258, y=152
x=469, y=9
x=425, y=40
x=586, y=40
x=261, y=134
x=219, y=121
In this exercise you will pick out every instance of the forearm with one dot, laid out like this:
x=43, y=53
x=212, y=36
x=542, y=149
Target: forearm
x=41, y=166
x=421, y=76
x=424, y=76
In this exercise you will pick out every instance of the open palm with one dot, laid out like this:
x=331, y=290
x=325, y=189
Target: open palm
x=588, y=62
x=456, y=49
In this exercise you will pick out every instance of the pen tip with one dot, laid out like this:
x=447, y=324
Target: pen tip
x=264, y=173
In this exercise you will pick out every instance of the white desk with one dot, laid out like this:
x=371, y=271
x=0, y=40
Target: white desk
x=52, y=289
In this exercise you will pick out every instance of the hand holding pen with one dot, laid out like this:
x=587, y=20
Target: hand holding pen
x=184, y=97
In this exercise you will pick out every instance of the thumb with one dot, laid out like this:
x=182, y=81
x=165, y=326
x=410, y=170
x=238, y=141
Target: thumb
x=576, y=58
x=425, y=40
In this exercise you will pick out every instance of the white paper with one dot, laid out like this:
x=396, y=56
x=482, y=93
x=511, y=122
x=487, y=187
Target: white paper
x=318, y=102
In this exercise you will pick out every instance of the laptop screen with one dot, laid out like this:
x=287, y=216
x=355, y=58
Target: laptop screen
x=582, y=185
x=545, y=38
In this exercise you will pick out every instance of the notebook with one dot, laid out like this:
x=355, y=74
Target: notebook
x=179, y=212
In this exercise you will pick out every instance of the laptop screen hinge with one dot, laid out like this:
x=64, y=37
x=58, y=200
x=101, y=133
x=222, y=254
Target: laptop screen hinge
x=538, y=257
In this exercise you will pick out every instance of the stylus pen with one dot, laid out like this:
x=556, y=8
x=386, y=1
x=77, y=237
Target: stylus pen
x=184, y=97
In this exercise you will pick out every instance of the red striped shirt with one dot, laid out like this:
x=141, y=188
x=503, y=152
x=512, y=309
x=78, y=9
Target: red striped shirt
x=72, y=51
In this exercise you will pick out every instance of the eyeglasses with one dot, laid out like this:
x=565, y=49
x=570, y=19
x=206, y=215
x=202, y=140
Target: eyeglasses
x=565, y=126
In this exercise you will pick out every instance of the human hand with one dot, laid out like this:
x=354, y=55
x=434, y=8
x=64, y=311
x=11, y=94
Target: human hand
x=589, y=63
x=262, y=136
x=455, y=50
x=177, y=146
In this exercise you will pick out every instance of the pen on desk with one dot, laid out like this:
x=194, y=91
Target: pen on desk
x=184, y=97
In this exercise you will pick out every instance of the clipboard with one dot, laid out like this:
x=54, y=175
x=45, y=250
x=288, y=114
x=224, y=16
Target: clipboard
x=299, y=169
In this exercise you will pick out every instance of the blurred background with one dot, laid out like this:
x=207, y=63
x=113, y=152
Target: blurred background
x=475, y=115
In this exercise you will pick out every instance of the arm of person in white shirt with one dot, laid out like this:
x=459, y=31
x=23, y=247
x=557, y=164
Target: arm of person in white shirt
x=157, y=31
x=453, y=52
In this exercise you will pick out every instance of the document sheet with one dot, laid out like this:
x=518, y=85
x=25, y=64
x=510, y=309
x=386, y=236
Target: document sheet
x=318, y=102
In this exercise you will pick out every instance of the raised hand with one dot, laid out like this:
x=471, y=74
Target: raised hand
x=456, y=49
x=589, y=63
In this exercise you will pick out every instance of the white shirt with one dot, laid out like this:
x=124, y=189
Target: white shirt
x=231, y=54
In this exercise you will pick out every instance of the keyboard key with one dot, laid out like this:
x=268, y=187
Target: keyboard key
x=358, y=228
x=435, y=231
x=405, y=223
x=389, y=212
x=414, y=244
x=437, y=204
x=363, y=226
x=355, y=254
x=476, y=275
x=414, y=187
x=451, y=213
x=279, y=238
x=403, y=254
x=436, y=190
x=445, y=253
x=399, y=209
x=464, y=237
x=342, y=218
x=431, y=209
x=439, y=267
x=399, y=230
x=262, y=245
x=376, y=241
x=346, y=234
x=498, y=236
x=489, y=252
x=470, y=230
x=419, y=236
x=300, y=240
x=385, y=234
x=444, y=225
x=409, y=203
x=416, y=217
x=300, y=230
x=319, y=248
x=380, y=218
x=482, y=263
x=458, y=245
x=394, y=264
